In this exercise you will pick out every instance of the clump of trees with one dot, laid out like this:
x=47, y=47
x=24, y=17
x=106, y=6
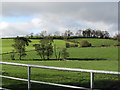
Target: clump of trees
x=19, y=45
x=95, y=33
x=57, y=52
x=45, y=48
x=85, y=43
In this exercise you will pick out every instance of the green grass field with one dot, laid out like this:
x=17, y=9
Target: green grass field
x=63, y=77
x=97, y=42
x=75, y=53
x=7, y=44
x=94, y=58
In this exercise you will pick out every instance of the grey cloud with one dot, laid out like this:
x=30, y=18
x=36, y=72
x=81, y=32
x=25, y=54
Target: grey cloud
x=64, y=14
x=92, y=11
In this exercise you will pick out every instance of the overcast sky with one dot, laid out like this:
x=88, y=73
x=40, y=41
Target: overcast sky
x=20, y=18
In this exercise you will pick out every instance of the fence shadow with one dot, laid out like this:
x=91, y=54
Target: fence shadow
x=99, y=84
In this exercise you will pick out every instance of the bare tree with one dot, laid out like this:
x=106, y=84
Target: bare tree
x=79, y=33
x=43, y=33
x=57, y=33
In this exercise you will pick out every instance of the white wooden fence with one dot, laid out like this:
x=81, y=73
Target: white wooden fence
x=57, y=68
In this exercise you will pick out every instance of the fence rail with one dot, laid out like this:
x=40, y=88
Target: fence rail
x=57, y=68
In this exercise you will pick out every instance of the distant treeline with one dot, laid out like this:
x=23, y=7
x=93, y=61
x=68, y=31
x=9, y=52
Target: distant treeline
x=68, y=34
x=55, y=37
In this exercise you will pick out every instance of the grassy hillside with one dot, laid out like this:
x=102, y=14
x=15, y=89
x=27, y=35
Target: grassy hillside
x=75, y=53
x=7, y=44
x=96, y=42
x=63, y=77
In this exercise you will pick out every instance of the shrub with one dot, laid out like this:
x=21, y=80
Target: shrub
x=67, y=45
x=73, y=45
x=85, y=43
x=105, y=45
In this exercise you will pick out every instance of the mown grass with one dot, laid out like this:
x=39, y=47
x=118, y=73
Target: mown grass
x=97, y=42
x=103, y=53
x=7, y=44
x=94, y=53
x=63, y=77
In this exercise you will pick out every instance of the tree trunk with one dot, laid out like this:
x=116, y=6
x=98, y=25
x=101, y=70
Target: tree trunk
x=48, y=57
x=59, y=56
x=20, y=57
x=55, y=51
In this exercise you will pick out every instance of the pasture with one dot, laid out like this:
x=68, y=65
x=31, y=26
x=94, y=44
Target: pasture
x=97, y=42
x=7, y=44
x=75, y=53
x=94, y=58
x=62, y=77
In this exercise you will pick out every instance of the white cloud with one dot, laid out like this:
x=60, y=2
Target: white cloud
x=3, y=25
x=59, y=17
x=37, y=22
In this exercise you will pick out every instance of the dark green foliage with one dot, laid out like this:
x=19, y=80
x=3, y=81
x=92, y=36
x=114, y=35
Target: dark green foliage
x=67, y=45
x=57, y=52
x=85, y=43
x=38, y=49
x=45, y=48
x=93, y=33
x=19, y=45
x=64, y=53
x=13, y=55
x=71, y=45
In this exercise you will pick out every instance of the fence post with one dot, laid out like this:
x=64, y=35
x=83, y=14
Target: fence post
x=29, y=76
x=91, y=80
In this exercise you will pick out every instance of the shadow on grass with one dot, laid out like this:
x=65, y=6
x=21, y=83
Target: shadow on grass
x=107, y=84
x=86, y=59
x=39, y=60
x=99, y=84
x=81, y=59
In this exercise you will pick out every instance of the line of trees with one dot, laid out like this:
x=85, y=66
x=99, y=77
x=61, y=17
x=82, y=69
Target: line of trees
x=44, y=49
x=80, y=33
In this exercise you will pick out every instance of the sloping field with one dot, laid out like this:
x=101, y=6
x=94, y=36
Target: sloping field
x=7, y=44
x=97, y=42
x=92, y=54
x=75, y=53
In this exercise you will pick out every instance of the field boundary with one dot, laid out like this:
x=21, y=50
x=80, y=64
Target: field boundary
x=57, y=68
